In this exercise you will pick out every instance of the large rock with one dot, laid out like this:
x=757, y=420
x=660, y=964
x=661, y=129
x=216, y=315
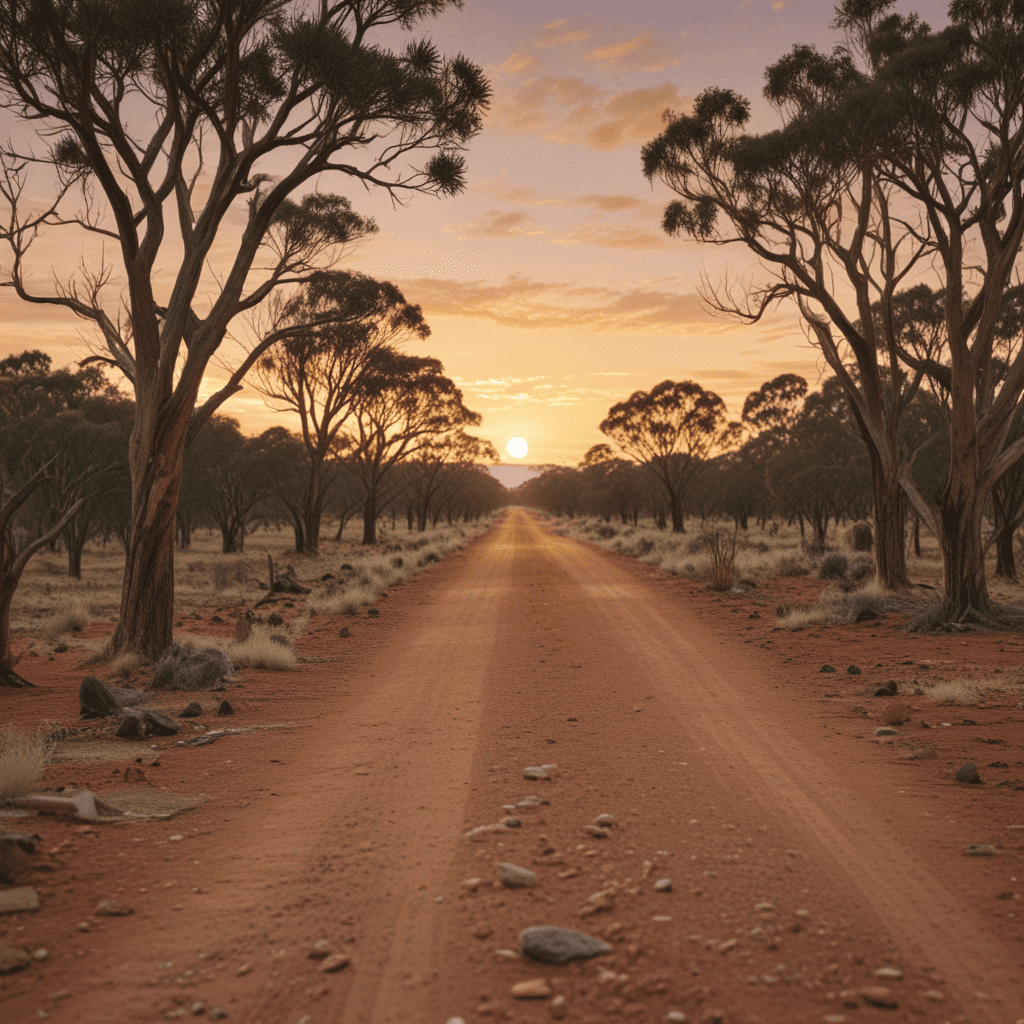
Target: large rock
x=139, y=723
x=190, y=668
x=968, y=773
x=97, y=699
x=13, y=959
x=553, y=945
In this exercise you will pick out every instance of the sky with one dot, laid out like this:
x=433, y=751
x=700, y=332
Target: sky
x=551, y=291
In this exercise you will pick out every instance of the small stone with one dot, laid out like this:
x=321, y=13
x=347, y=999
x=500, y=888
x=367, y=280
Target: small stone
x=553, y=945
x=13, y=901
x=604, y=820
x=826, y=668
x=677, y=1016
x=558, y=1008
x=13, y=959
x=538, y=773
x=41, y=954
x=192, y=710
x=225, y=709
x=218, y=1013
x=84, y=926
x=111, y=908
x=596, y=831
x=663, y=885
x=879, y=995
x=888, y=972
x=514, y=877
x=198, y=1009
x=886, y=730
x=934, y=995
x=273, y=619
x=333, y=963
x=483, y=931
x=344, y=632
x=372, y=612
x=535, y=988
x=852, y=670
x=472, y=884
x=896, y=713
x=243, y=970
x=968, y=773
x=511, y=822
x=882, y=691
x=61, y=993
x=321, y=950
x=980, y=850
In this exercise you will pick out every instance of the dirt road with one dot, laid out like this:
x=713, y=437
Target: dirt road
x=806, y=885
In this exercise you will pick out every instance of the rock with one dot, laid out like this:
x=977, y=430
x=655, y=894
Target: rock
x=344, y=632
x=333, y=963
x=663, y=885
x=372, y=612
x=16, y=850
x=225, y=709
x=510, y=822
x=483, y=931
x=218, y=1013
x=532, y=801
x=97, y=699
x=558, y=1008
x=139, y=723
x=604, y=820
x=826, y=668
x=192, y=710
x=345, y=567
x=980, y=850
x=13, y=901
x=888, y=972
x=514, y=877
x=190, y=668
x=538, y=773
x=553, y=945
x=596, y=831
x=676, y=1016
x=882, y=691
x=879, y=995
x=892, y=685
x=535, y=988
x=321, y=950
x=896, y=713
x=273, y=619
x=886, y=730
x=968, y=773
x=13, y=959
x=111, y=908
x=852, y=670
x=285, y=583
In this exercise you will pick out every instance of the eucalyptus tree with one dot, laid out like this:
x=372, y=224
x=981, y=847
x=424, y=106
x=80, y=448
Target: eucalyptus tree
x=188, y=139
x=318, y=372
x=441, y=469
x=404, y=403
x=901, y=155
x=672, y=430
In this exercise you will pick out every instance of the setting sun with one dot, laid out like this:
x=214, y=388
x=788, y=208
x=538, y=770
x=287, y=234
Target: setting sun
x=517, y=447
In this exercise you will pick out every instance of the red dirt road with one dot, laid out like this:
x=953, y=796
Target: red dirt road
x=803, y=859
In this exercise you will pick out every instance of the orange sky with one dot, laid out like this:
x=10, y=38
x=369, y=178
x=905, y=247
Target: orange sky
x=551, y=290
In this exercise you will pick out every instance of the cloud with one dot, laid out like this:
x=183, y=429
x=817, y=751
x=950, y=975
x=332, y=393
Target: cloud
x=644, y=52
x=518, y=301
x=495, y=224
x=612, y=236
x=571, y=111
x=528, y=195
x=556, y=33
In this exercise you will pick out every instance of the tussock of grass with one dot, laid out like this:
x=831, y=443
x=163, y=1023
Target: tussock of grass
x=343, y=600
x=22, y=760
x=70, y=615
x=839, y=607
x=258, y=650
x=962, y=690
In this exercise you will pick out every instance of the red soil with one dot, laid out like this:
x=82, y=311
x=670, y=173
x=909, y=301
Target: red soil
x=804, y=853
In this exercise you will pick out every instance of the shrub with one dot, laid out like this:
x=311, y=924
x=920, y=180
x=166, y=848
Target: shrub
x=184, y=667
x=22, y=760
x=791, y=565
x=69, y=616
x=833, y=567
x=722, y=556
x=860, y=568
x=860, y=537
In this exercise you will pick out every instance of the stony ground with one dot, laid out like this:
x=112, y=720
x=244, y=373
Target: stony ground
x=717, y=810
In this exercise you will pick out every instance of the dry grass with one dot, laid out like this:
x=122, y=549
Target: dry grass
x=22, y=760
x=70, y=615
x=838, y=606
x=963, y=690
x=258, y=650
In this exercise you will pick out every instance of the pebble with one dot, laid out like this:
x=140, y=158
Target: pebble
x=13, y=901
x=514, y=877
x=225, y=709
x=535, y=988
x=511, y=822
x=888, y=972
x=111, y=908
x=883, y=691
x=980, y=850
x=677, y=1016
x=879, y=995
x=84, y=926
x=853, y=670
x=532, y=801
x=192, y=710
x=40, y=954
x=557, y=1007
x=13, y=959
x=663, y=885
x=537, y=773
x=333, y=963
x=596, y=831
x=968, y=773
x=896, y=713
x=604, y=820
x=826, y=668
x=472, y=884
x=344, y=632
x=553, y=945
x=198, y=1009
x=218, y=1013
x=321, y=950
x=886, y=730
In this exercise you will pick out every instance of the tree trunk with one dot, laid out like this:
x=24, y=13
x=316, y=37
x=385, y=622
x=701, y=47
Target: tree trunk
x=890, y=507
x=1006, y=565
x=75, y=546
x=312, y=510
x=146, y=619
x=8, y=677
x=963, y=562
x=370, y=518
x=917, y=534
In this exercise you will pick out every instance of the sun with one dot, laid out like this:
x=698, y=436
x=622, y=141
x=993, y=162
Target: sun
x=517, y=447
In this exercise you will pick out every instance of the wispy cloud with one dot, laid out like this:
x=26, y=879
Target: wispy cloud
x=571, y=111
x=612, y=236
x=521, y=302
x=496, y=224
